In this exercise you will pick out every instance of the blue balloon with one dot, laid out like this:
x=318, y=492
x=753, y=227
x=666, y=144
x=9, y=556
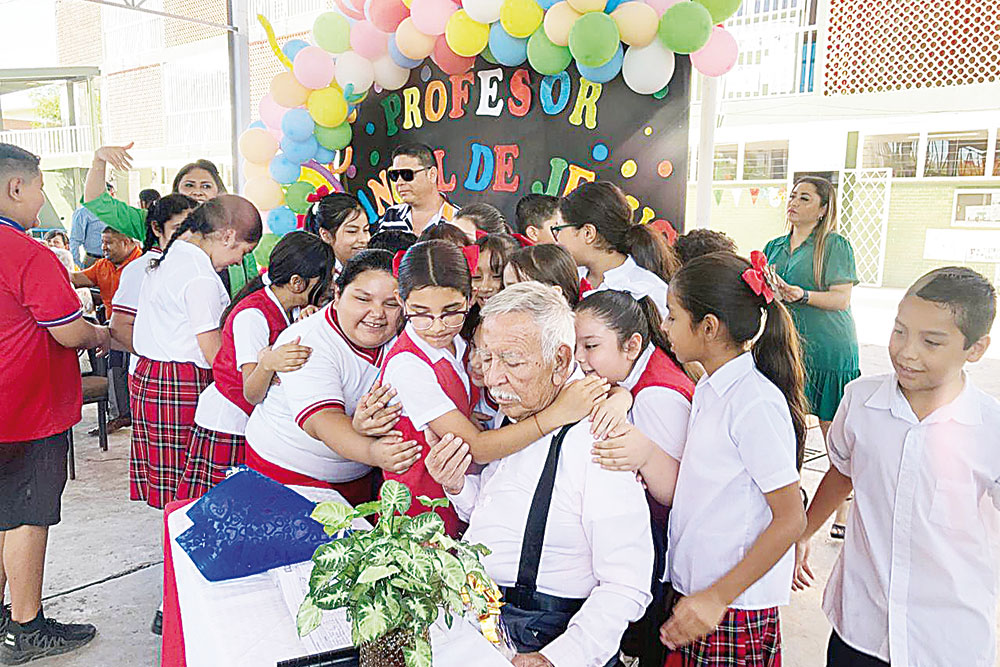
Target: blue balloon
x=613, y=5
x=398, y=57
x=325, y=155
x=297, y=124
x=546, y=4
x=284, y=170
x=605, y=72
x=507, y=50
x=293, y=46
x=282, y=220
x=299, y=151
x=258, y=123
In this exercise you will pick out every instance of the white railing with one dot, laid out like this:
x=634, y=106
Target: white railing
x=52, y=141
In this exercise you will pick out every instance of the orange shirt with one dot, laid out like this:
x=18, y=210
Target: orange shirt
x=106, y=276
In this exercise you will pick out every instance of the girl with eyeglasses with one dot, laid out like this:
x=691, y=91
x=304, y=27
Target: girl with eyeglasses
x=427, y=368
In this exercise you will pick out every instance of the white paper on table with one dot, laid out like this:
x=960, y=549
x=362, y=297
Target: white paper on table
x=334, y=630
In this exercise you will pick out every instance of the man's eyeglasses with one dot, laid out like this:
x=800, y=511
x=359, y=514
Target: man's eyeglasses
x=424, y=321
x=555, y=229
x=405, y=174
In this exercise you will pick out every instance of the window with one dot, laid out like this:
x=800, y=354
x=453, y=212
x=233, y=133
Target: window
x=725, y=162
x=977, y=208
x=896, y=151
x=996, y=163
x=765, y=160
x=956, y=154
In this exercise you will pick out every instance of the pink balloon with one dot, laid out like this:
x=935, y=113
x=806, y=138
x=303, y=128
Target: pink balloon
x=386, y=15
x=313, y=67
x=369, y=41
x=662, y=5
x=431, y=16
x=718, y=55
x=449, y=61
x=358, y=5
x=271, y=112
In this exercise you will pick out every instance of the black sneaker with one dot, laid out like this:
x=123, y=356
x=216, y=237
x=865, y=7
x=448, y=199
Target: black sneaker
x=21, y=645
x=156, y=627
x=4, y=620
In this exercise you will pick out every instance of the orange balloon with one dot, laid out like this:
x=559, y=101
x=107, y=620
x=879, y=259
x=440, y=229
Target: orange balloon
x=412, y=43
x=287, y=91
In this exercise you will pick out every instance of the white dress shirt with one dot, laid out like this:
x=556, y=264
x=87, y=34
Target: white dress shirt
x=637, y=281
x=740, y=446
x=916, y=582
x=598, y=543
x=660, y=413
x=126, y=298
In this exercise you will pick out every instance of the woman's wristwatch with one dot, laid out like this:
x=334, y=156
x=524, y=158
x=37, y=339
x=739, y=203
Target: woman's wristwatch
x=804, y=299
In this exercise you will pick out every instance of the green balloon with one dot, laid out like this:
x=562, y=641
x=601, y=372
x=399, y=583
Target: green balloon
x=262, y=253
x=545, y=57
x=334, y=138
x=332, y=32
x=594, y=39
x=295, y=196
x=487, y=55
x=685, y=27
x=720, y=9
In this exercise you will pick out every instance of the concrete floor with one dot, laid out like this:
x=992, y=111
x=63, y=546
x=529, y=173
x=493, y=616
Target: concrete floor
x=104, y=564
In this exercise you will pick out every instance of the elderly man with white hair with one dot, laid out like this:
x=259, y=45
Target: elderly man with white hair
x=571, y=543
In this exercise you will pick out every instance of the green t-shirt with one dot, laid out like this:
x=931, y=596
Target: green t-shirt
x=829, y=337
x=131, y=221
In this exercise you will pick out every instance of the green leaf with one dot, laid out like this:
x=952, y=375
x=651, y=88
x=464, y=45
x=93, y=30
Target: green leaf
x=376, y=572
x=395, y=498
x=423, y=567
x=372, y=620
x=420, y=655
x=452, y=573
x=425, y=526
x=420, y=608
x=409, y=584
x=369, y=508
x=433, y=503
x=308, y=618
x=333, y=556
x=333, y=515
x=332, y=597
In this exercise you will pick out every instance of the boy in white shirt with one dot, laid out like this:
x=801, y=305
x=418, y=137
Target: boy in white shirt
x=916, y=582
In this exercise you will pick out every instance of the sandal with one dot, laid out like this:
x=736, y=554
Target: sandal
x=838, y=531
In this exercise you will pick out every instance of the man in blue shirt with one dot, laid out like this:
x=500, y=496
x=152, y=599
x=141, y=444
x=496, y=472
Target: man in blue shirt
x=85, y=232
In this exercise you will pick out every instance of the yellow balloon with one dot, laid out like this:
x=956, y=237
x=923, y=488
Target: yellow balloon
x=520, y=18
x=252, y=170
x=313, y=178
x=287, y=91
x=585, y=6
x=412, y=43
x=464, y=36
x=637, y=23
x=258, y=145
x=264, y=193
x=559, y=21
x=327, y=106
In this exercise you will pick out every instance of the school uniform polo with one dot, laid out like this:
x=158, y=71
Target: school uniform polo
x=178, y=300
x=916, y=582
x=740, y=445
x=661, y=398
x=337, y=375
x=107, y=276
x=39, y=378
x=635, y=280
x=126, y=298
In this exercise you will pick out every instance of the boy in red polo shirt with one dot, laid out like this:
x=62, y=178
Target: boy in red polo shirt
x=40, y=329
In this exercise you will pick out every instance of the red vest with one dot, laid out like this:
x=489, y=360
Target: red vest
x=661, y=371
x=417, y=477
x=228, y=378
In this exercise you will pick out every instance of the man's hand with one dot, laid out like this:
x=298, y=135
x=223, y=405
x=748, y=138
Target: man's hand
x=804, y=576
x=117, y=156
x=448, y=461
x=694, y=617
x=392, y=454
x=374, y=416
x=530, y=660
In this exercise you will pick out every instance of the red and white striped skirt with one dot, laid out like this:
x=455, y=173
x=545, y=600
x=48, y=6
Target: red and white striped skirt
x=210, y=455
x=744, y=638
x=164, y=399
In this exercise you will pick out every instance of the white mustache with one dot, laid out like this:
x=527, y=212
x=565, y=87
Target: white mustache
x=505, y=396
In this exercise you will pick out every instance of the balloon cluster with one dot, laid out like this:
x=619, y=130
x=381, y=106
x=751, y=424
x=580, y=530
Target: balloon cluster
x=308, y=112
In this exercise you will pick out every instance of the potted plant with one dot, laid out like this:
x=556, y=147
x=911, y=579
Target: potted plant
x=394, y=579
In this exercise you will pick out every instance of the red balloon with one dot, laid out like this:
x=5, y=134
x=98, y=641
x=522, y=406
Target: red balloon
x=449, y=61
x=386, y=15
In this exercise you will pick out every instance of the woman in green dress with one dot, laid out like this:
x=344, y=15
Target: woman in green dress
x=199, y=180
x=814, y=271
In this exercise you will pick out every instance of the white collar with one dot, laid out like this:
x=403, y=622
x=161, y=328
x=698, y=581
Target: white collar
x=194, y=251
x=434, y=354
x=271, y=295
x=625, y=268
x=638, y=368
x=964, y=409
x=726, y=375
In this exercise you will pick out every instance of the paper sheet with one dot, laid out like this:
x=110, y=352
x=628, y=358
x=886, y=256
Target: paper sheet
x=334, y=631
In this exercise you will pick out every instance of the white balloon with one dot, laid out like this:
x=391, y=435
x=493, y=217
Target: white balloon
x=483, y=11
x=649, y=68
x=354, y=69
x=389, y=75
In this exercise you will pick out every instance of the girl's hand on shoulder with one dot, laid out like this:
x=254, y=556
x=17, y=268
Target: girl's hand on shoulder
x=577, y=398
x=694, y=617
x=374, y=416
x=306, y=311
x=285, y=358
x=610, y=413
x=626, y=448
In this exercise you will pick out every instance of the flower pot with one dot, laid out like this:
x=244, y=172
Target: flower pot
x=387, y=651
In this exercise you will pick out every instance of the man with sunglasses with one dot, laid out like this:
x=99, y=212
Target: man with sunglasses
x=414, y=174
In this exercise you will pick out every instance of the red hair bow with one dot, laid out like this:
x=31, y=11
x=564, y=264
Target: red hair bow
x=756, y=276
x=397, y=259
x=523, y=240
x=480, y=234
x=321, y=192
x=471, y=253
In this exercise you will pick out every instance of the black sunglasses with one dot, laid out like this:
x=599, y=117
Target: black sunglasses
x=405, y=174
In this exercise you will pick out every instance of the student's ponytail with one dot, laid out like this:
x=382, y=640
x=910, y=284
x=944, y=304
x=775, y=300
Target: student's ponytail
x=205, y=219
x=714, y=284
x=650, y=250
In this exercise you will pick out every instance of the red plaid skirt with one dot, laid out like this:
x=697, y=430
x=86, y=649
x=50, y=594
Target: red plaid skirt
x=744, y=638
x=164, y=399
x=211, y=454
